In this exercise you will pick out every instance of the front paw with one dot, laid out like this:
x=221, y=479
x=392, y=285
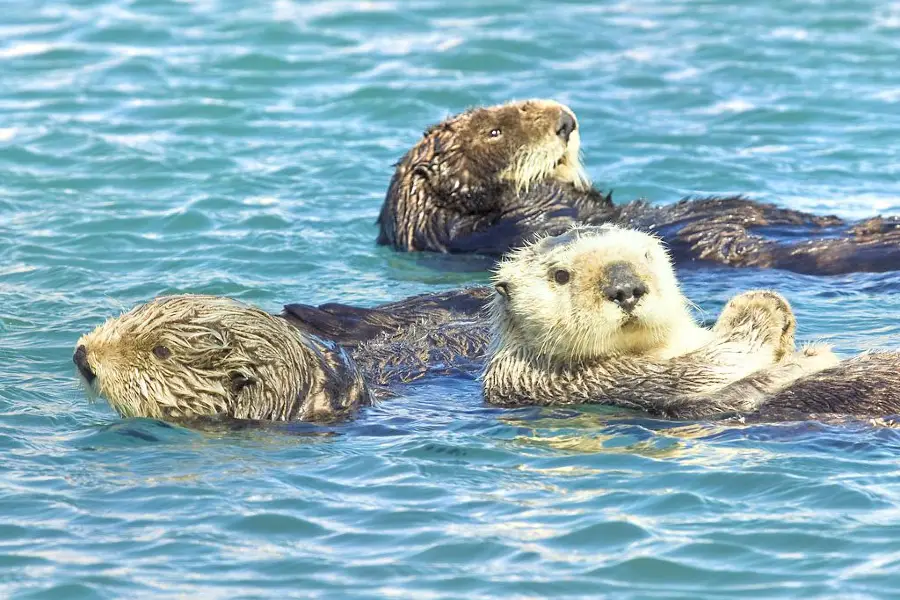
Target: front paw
x=760, y=314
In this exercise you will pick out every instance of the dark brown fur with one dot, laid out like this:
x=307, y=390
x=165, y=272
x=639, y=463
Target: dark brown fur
x=446, y=196
x=865, y=386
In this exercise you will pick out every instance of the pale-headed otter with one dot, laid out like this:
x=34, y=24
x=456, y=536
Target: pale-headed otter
x=603, y=321
x=180, y=357
x=487, y=180
x=596, y=315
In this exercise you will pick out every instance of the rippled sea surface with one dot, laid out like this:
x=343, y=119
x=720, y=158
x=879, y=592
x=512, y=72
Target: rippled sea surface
x=240, y=148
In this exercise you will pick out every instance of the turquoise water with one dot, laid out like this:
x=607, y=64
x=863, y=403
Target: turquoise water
x=153, y=146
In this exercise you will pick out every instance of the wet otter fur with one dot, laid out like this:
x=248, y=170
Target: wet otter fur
x=489, y=179
x=179, y=358
x=867, y=385
x=187, y=356
x=596, y=315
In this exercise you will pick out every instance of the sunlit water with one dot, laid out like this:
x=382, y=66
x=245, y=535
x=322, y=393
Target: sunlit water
x=154, y=146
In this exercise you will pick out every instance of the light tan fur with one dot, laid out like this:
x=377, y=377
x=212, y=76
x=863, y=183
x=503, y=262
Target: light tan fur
x=179, y=357
x=569, y=343
x=548, y=157
x=575, y=321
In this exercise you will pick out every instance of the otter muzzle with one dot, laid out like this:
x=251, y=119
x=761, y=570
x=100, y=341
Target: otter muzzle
x=622, y=286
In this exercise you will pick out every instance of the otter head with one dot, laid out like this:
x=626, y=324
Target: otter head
x=179, y=357
x=463, y=164
x=589, y=293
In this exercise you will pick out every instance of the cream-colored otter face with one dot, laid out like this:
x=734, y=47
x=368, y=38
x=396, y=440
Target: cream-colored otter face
x=589, y=293
x=521, y=142
x=187, y=356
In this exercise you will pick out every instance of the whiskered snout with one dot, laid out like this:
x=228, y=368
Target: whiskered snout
x=622, y=286
x=81, y=361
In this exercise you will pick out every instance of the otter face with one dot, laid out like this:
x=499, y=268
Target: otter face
x=186, y=356
x=520, y=142
x=589, y=293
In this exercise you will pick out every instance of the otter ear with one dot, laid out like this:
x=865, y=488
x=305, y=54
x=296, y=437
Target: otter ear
x=503, y=289
x=239, y=382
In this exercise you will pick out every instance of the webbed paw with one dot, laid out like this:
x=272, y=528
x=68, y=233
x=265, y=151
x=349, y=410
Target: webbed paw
x=760, y=314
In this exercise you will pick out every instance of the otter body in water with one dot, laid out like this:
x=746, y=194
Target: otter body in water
x=487, y=180
x=602, y=320
x=183, y=357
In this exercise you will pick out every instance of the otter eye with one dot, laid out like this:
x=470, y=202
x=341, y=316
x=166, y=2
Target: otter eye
x=161, y=352
x=561, y=276
x=239, y=382
x=495, y=133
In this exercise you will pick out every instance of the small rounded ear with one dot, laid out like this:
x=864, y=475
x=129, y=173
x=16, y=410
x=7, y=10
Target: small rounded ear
x=239, y=381
x=502, y=289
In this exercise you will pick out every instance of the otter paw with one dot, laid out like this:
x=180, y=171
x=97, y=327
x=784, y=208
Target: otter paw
x=760, y=312
x=813, y=358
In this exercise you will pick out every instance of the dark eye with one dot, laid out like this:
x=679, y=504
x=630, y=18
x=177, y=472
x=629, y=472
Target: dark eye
x=239, y=382
x=495, y=133
x=561, y=276
x=648, y=255
x=161, y=352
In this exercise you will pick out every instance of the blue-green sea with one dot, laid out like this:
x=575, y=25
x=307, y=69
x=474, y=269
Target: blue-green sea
x=244, y=148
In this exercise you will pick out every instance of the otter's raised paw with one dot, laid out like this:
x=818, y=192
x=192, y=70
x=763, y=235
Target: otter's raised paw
x=760, y=315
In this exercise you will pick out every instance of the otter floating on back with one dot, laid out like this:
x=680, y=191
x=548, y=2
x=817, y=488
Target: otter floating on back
x=594, y=315
x=487, y=180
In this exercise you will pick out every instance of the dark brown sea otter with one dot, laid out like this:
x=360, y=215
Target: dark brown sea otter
x=490, y=178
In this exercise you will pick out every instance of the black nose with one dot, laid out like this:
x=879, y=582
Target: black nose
x=80, y=360
x=566, y=125
x=623, y=286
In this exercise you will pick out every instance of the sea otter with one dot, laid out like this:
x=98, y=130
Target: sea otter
x=181, y=357
x=489, y=179
x=602, y=321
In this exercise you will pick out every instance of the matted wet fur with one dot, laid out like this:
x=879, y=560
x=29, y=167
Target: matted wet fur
x=614, y=328
x=751, y=358
x=489, y=179
x=180, y=357
x=867, y=385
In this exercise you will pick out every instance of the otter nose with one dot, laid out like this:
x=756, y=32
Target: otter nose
x=623, y=286
x=80, y=360
x=566, y=125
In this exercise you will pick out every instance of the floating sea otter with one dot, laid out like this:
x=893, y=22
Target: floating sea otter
x=487, y=180
x=187, y=356
x=594, y=315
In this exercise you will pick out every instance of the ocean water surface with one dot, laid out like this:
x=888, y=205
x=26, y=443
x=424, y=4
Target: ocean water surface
x=239, y=148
